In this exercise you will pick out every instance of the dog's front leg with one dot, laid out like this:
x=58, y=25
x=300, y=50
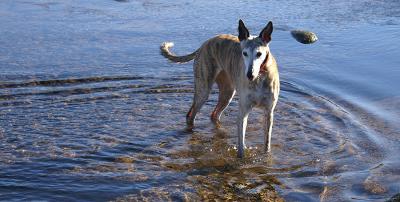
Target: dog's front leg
x=244, y=110
x=268, y=122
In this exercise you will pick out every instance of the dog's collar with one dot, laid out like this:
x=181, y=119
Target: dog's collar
x=263, y=67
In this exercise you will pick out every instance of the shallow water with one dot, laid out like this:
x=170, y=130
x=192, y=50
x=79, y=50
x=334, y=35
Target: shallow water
x=89, y=110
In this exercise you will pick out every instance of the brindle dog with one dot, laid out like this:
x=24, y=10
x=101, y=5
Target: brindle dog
x=244, y=64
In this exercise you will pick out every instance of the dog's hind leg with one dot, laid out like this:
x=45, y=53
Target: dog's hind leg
x=204, y=77
x=226, y=93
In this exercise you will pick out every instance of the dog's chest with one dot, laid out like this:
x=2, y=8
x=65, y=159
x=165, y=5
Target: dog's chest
x=260, y=95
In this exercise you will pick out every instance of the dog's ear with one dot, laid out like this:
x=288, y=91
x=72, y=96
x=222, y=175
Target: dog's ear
x=243, y=32
x=265, y=34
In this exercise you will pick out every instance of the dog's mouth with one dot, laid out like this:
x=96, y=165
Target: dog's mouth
x=263, y=70
x=250, y=76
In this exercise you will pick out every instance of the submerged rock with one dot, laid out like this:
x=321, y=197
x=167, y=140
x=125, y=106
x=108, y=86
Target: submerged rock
x=374, y=187
x=304, y=37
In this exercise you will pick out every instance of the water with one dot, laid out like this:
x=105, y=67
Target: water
x=89, y=110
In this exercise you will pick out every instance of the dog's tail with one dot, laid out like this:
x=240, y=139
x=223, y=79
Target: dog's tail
x=174, y=58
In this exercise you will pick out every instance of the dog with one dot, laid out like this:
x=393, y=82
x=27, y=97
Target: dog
x=240, y=63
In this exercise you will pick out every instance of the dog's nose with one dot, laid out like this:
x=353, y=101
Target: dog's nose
x=250, y=76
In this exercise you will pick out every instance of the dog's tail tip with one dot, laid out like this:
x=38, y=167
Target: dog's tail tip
x=165, y=51
x=167, y=44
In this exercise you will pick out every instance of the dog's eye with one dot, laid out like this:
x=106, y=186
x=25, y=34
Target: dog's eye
x=245, y=54
x=258, y=54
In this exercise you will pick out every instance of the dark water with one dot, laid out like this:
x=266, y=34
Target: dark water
x=89, y=110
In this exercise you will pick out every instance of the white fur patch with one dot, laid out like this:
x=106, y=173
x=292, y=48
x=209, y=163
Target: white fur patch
x=252, y=37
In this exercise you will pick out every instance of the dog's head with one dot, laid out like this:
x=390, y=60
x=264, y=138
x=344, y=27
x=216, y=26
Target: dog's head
x=255, y=50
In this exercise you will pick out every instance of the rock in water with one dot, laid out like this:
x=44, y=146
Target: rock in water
x=304, y=37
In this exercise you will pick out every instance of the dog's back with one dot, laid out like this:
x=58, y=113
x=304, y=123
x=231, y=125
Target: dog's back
x=220, y=53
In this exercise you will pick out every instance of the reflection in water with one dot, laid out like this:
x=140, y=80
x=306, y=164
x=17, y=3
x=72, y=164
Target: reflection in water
x=89, y=110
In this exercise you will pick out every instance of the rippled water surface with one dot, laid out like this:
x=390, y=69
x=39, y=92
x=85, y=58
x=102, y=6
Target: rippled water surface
x=89, y=109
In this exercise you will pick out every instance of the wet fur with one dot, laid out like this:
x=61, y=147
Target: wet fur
x=220, y=60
